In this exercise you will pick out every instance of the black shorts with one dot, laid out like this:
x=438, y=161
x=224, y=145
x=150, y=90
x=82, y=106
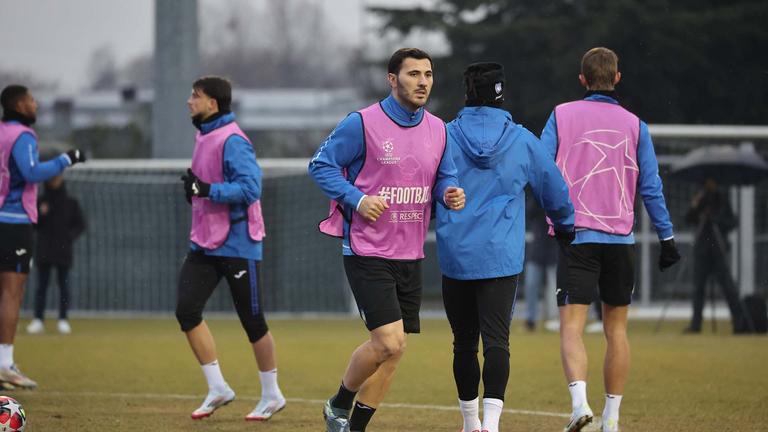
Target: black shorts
x=15, y=247
x=385, y=290
x=584, y=270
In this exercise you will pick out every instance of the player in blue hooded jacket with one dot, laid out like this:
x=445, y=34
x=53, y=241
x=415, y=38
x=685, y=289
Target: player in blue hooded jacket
x=481, y=248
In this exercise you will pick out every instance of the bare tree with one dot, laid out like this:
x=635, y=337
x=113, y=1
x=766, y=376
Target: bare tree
x=103, y=69
x=273, y=44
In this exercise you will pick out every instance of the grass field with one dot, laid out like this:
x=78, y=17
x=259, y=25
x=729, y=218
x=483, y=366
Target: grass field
x=135, y=375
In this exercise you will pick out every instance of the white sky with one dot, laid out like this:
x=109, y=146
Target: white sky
x=54, y=39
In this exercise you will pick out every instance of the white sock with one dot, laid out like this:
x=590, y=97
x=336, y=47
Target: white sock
x=6, y=355
x=491, y=414
x=612, y=404
x=578, y=391
x=470, y=410
x=269, y=387
x=214, y=377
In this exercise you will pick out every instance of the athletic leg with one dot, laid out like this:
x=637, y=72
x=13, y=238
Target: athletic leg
x=199, y=276
x=496, y=299
x=43, y=277
x=461, y=307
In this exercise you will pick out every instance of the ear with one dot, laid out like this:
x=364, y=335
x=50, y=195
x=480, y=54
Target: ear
x=617, y=78
x=213, y=104
x=583, y=81
x=392, y=78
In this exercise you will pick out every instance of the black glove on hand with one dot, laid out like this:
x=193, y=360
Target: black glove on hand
x=193, y=186
x=668, y=255
x=76, y=156
x=565, y=238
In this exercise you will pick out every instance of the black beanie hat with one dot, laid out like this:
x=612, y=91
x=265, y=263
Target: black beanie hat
x=484, y=83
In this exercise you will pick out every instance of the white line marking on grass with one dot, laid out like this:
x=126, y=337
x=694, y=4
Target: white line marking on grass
x=295, y=400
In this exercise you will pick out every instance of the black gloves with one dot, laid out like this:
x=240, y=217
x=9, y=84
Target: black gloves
x=193, y=186
x=76, y=156
x=565, y=238
x=668, y=255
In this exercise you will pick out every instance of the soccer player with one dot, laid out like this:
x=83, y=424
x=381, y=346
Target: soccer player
x=606, y=156
x=383, y=166
x=20, y=171
x=224, y=188
x=481, y=248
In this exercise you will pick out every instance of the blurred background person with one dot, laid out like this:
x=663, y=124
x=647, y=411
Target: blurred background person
x=711, y=212
x=540, y=270
x=60, y=223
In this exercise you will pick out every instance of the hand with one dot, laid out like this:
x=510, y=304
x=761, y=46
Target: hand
x=75, y=156
x=371, y=207
x=668, y=255
x=44, y=208
x=193, y=186
x=454, y=198
x=565, y=238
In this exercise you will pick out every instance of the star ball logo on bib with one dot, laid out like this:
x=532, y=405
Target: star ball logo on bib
x=389, y=158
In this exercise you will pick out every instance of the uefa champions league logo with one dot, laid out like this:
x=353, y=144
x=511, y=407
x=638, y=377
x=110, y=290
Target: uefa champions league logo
x=389, y=158
x=388, y=146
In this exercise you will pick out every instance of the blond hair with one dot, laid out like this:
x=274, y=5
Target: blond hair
x=599, y=67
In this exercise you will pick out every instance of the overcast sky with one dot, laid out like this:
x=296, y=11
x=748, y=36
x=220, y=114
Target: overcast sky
x=54, y=39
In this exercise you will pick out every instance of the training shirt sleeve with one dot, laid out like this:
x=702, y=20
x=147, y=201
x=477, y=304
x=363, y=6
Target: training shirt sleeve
x=649, y=185
x=242, y=174
x=549, y=136
x=548, y=186
x=343, y=148
x=447, y=175
x=27, y=160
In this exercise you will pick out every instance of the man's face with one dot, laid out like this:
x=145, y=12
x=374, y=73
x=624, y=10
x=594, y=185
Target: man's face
x=27, y=106
x=412, y=85
x=200, y=104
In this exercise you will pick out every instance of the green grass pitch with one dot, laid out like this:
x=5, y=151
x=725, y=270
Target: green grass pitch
x=129, y=375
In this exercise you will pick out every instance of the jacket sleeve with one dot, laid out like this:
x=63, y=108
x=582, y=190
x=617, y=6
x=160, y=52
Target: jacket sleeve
x=27, y=160
x=548, y=186
x=649, y=185
x=447, y=175
x=343, y=148
x=242, y=174
x=549, y=136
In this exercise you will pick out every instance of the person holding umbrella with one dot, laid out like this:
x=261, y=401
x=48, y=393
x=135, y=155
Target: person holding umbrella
x=711, y=212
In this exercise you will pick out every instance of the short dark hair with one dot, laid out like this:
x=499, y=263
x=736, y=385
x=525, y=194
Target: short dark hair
x=396, y=61
x=11, y=96
x=216, y=88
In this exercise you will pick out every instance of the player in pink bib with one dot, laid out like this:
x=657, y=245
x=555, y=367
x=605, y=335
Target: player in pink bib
x=383, y=166
x=606, y=157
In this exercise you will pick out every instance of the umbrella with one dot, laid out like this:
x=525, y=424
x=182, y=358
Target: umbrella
x=726, y=164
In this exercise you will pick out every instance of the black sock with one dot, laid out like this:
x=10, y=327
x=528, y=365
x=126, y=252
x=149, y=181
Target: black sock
x=343, y=398
x=360, y=417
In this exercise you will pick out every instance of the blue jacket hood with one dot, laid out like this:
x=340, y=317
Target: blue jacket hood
x=483, y=133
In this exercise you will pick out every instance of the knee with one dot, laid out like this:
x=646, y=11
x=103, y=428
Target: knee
x=188, y=318
x=391, y=347
x=615, y=333
x=256, y=328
